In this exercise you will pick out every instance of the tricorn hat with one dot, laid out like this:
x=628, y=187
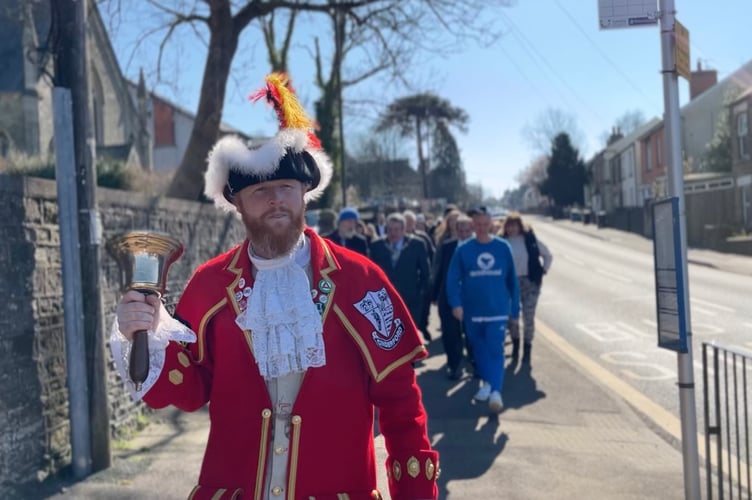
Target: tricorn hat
x=293, y=153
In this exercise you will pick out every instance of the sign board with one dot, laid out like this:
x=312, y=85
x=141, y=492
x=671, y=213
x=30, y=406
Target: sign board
x=627, y=13
x=681, y=50
x=669, y=276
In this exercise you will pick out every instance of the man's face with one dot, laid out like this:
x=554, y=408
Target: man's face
x=347, y=228
x=481, y=224
x=273, y=214
x=395, y=231
x=409, y=224
x=464, y=230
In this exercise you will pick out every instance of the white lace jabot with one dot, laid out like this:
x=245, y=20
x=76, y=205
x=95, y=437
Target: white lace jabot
x=285, y=325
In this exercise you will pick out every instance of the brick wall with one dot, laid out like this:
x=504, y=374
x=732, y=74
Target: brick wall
x=33, y=392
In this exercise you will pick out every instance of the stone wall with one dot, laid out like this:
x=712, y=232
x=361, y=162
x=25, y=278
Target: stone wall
x=33, y=393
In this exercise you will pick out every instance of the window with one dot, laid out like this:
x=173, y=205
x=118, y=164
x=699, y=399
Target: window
x=742, y=134
x=659, y=151
x=648, y=154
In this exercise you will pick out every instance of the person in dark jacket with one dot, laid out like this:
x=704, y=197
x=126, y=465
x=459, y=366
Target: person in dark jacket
x=411, y=228
x=452, y=336
x=346, y=234
x=404, y=260
x=532, y=260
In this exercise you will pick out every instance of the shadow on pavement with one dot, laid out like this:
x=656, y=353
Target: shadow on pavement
x=466, y=434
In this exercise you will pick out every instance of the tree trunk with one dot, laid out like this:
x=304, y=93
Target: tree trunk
x=421, y=159
x=188, y=181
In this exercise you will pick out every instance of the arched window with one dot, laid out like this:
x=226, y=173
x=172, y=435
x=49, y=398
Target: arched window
x=4, y=144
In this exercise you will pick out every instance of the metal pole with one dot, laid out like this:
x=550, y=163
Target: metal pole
x=339, y=34
x=672, y=124
x=75, y=348
x=71, y=71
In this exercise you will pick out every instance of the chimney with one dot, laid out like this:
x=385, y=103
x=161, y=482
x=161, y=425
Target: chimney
x=702, y=80
x=615, y=135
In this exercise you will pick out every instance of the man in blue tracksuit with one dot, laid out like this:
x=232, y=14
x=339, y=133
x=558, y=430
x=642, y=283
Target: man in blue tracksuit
x=483, y=291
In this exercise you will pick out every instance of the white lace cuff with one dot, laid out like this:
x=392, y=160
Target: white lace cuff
x=168, y=329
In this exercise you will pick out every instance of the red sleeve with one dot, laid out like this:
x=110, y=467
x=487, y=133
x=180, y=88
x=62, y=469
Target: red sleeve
x=381, y=326
x=412, y=466
x=186, y=377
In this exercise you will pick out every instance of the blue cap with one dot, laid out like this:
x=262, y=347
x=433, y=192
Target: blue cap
x=348, y=213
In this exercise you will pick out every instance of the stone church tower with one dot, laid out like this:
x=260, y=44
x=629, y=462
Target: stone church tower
x=120, y=121
x=25, y=85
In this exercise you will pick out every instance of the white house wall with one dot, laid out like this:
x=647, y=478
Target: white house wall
x=700, y=116
x=628, y=177
x=168, y=158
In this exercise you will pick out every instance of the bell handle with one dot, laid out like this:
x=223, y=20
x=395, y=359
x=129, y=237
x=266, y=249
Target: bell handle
x=138, y=367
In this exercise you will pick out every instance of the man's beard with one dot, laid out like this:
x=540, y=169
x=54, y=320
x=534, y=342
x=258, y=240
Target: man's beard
x=269, y=241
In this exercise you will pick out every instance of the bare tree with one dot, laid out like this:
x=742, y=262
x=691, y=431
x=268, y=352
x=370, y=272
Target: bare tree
x=547, y=125
x=535, y=173
x=420, y=24
x=625, y=124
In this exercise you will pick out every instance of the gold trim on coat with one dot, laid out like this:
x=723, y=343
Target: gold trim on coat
x=202, y=326
x=238, y=272
x=296, y=421
x=377, y=376
x=266, y=416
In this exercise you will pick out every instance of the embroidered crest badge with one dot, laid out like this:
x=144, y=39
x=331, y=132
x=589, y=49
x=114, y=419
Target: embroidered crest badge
x=377, y=307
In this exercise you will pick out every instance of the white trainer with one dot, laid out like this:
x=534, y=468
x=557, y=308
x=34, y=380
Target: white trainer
x=494, y=402
x=483, y=392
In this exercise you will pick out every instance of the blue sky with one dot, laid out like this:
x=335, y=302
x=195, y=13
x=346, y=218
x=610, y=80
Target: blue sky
x=552, y=56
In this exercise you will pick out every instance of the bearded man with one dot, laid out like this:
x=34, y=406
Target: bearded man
x=291, y=339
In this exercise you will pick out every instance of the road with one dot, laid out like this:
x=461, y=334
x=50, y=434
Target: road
x=600, y=297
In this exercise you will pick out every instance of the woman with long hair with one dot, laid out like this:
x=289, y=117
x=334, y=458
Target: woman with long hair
x=532, y=260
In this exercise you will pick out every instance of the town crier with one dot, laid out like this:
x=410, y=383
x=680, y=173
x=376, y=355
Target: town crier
x=291, y=339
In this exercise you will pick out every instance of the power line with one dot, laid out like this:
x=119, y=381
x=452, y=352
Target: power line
x=526, y=41
x=602, y=53
x=524, y=75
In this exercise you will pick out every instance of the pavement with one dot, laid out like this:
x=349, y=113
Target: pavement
x=566, y=431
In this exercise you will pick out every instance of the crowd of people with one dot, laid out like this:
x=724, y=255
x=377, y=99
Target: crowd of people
x=481, y=272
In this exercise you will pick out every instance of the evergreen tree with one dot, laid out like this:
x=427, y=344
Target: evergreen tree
x=566, y=174
x=415, y=116
x=446, y=179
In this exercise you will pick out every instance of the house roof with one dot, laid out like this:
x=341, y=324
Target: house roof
x=623, y=143
x=740, y=76
x=223, y=127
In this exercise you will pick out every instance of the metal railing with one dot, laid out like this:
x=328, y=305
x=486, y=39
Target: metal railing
x=726, y=396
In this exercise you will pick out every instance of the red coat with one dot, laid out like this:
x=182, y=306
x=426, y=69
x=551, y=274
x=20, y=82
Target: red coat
x=368, y=363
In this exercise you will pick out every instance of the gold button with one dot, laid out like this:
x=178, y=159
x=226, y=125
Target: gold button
x=296, y=419
x=176, y=377
x=183, y=359
x=280, y=450
x=396, y=470
x=430, y=468
x=413, y=467
x=266, y=413
x=276, y=491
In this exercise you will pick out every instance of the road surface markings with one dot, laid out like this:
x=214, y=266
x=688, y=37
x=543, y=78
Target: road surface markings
x=748, y=325
x=573, y=260
x=714, y=305
x=658, y=414
x=613, y=276
x=703, y=311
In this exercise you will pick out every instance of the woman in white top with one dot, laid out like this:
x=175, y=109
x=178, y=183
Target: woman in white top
x=532, y=260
